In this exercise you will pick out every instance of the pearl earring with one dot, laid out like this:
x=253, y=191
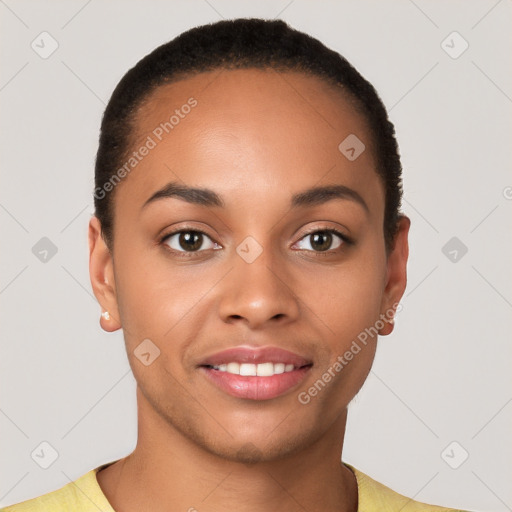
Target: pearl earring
x=106, y=315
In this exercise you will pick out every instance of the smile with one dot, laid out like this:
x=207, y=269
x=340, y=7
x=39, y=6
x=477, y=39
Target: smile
x=255, y=370
x=255, y=373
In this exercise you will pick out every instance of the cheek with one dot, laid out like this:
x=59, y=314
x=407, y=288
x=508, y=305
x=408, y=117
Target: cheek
x=348, y=298
x=157, y=297
x=349, y=307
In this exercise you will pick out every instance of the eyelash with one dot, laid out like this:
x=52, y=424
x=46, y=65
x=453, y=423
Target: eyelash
x=346, y=241
x=188, y=254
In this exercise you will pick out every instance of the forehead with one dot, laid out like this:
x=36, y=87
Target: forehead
x=230, y=129
x=246, y=97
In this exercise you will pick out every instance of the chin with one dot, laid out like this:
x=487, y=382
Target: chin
x=257, y=451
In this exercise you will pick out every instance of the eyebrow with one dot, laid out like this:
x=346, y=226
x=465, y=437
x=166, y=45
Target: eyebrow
x=206, y=197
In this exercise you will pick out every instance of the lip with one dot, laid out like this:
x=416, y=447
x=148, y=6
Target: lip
x=244, y=354
x=254, y=387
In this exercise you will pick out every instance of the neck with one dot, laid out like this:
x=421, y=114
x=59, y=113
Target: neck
x=166, y=470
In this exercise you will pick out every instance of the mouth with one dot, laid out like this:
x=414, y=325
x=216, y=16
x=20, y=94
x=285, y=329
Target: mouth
x=255, y=374
x=267, y=369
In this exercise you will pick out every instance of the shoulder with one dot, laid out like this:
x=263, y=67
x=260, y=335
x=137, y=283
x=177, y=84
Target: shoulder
x=374, y=496
x=82, y=495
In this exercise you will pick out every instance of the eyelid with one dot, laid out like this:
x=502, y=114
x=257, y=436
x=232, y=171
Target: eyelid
x=184, y=229
x=166, y=233
x=346, y=240
x=337, y=231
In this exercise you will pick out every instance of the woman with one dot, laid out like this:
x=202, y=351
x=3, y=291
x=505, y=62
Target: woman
x=248, y=240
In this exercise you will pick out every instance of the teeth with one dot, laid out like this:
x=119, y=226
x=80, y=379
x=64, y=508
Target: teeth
x=260, y=370
x=265, y=369
x=232, y=368
x=279, y=367
x=248, y=369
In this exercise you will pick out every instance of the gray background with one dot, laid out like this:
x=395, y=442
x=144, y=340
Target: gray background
x=442, y=376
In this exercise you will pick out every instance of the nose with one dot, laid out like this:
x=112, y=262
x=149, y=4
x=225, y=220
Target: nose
x=258, y=293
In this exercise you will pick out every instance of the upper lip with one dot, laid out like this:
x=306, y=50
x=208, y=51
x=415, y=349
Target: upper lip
x=255, y=355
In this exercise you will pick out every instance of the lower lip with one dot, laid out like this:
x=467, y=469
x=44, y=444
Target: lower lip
x=255, y=388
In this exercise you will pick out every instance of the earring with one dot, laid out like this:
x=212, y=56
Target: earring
x=106, y=315
x=387, y=326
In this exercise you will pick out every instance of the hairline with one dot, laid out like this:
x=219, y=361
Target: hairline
x=133, y=118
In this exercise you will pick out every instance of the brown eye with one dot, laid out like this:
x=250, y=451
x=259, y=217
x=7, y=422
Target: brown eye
x=323, y=240
x=189, y=241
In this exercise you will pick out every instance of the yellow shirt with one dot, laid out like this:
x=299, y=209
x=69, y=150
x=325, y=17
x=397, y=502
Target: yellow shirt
x=85, y=495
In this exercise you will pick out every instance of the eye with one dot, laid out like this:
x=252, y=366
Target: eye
x=323, y=240
x=189, y=241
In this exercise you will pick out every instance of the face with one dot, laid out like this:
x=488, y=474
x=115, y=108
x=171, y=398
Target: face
x=281, y=249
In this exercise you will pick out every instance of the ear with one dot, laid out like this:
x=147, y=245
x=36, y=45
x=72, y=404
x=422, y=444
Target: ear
x=101, y=272
x=396, y=280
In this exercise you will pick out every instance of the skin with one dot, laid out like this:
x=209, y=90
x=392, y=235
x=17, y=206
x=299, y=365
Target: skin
x=255, y=138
